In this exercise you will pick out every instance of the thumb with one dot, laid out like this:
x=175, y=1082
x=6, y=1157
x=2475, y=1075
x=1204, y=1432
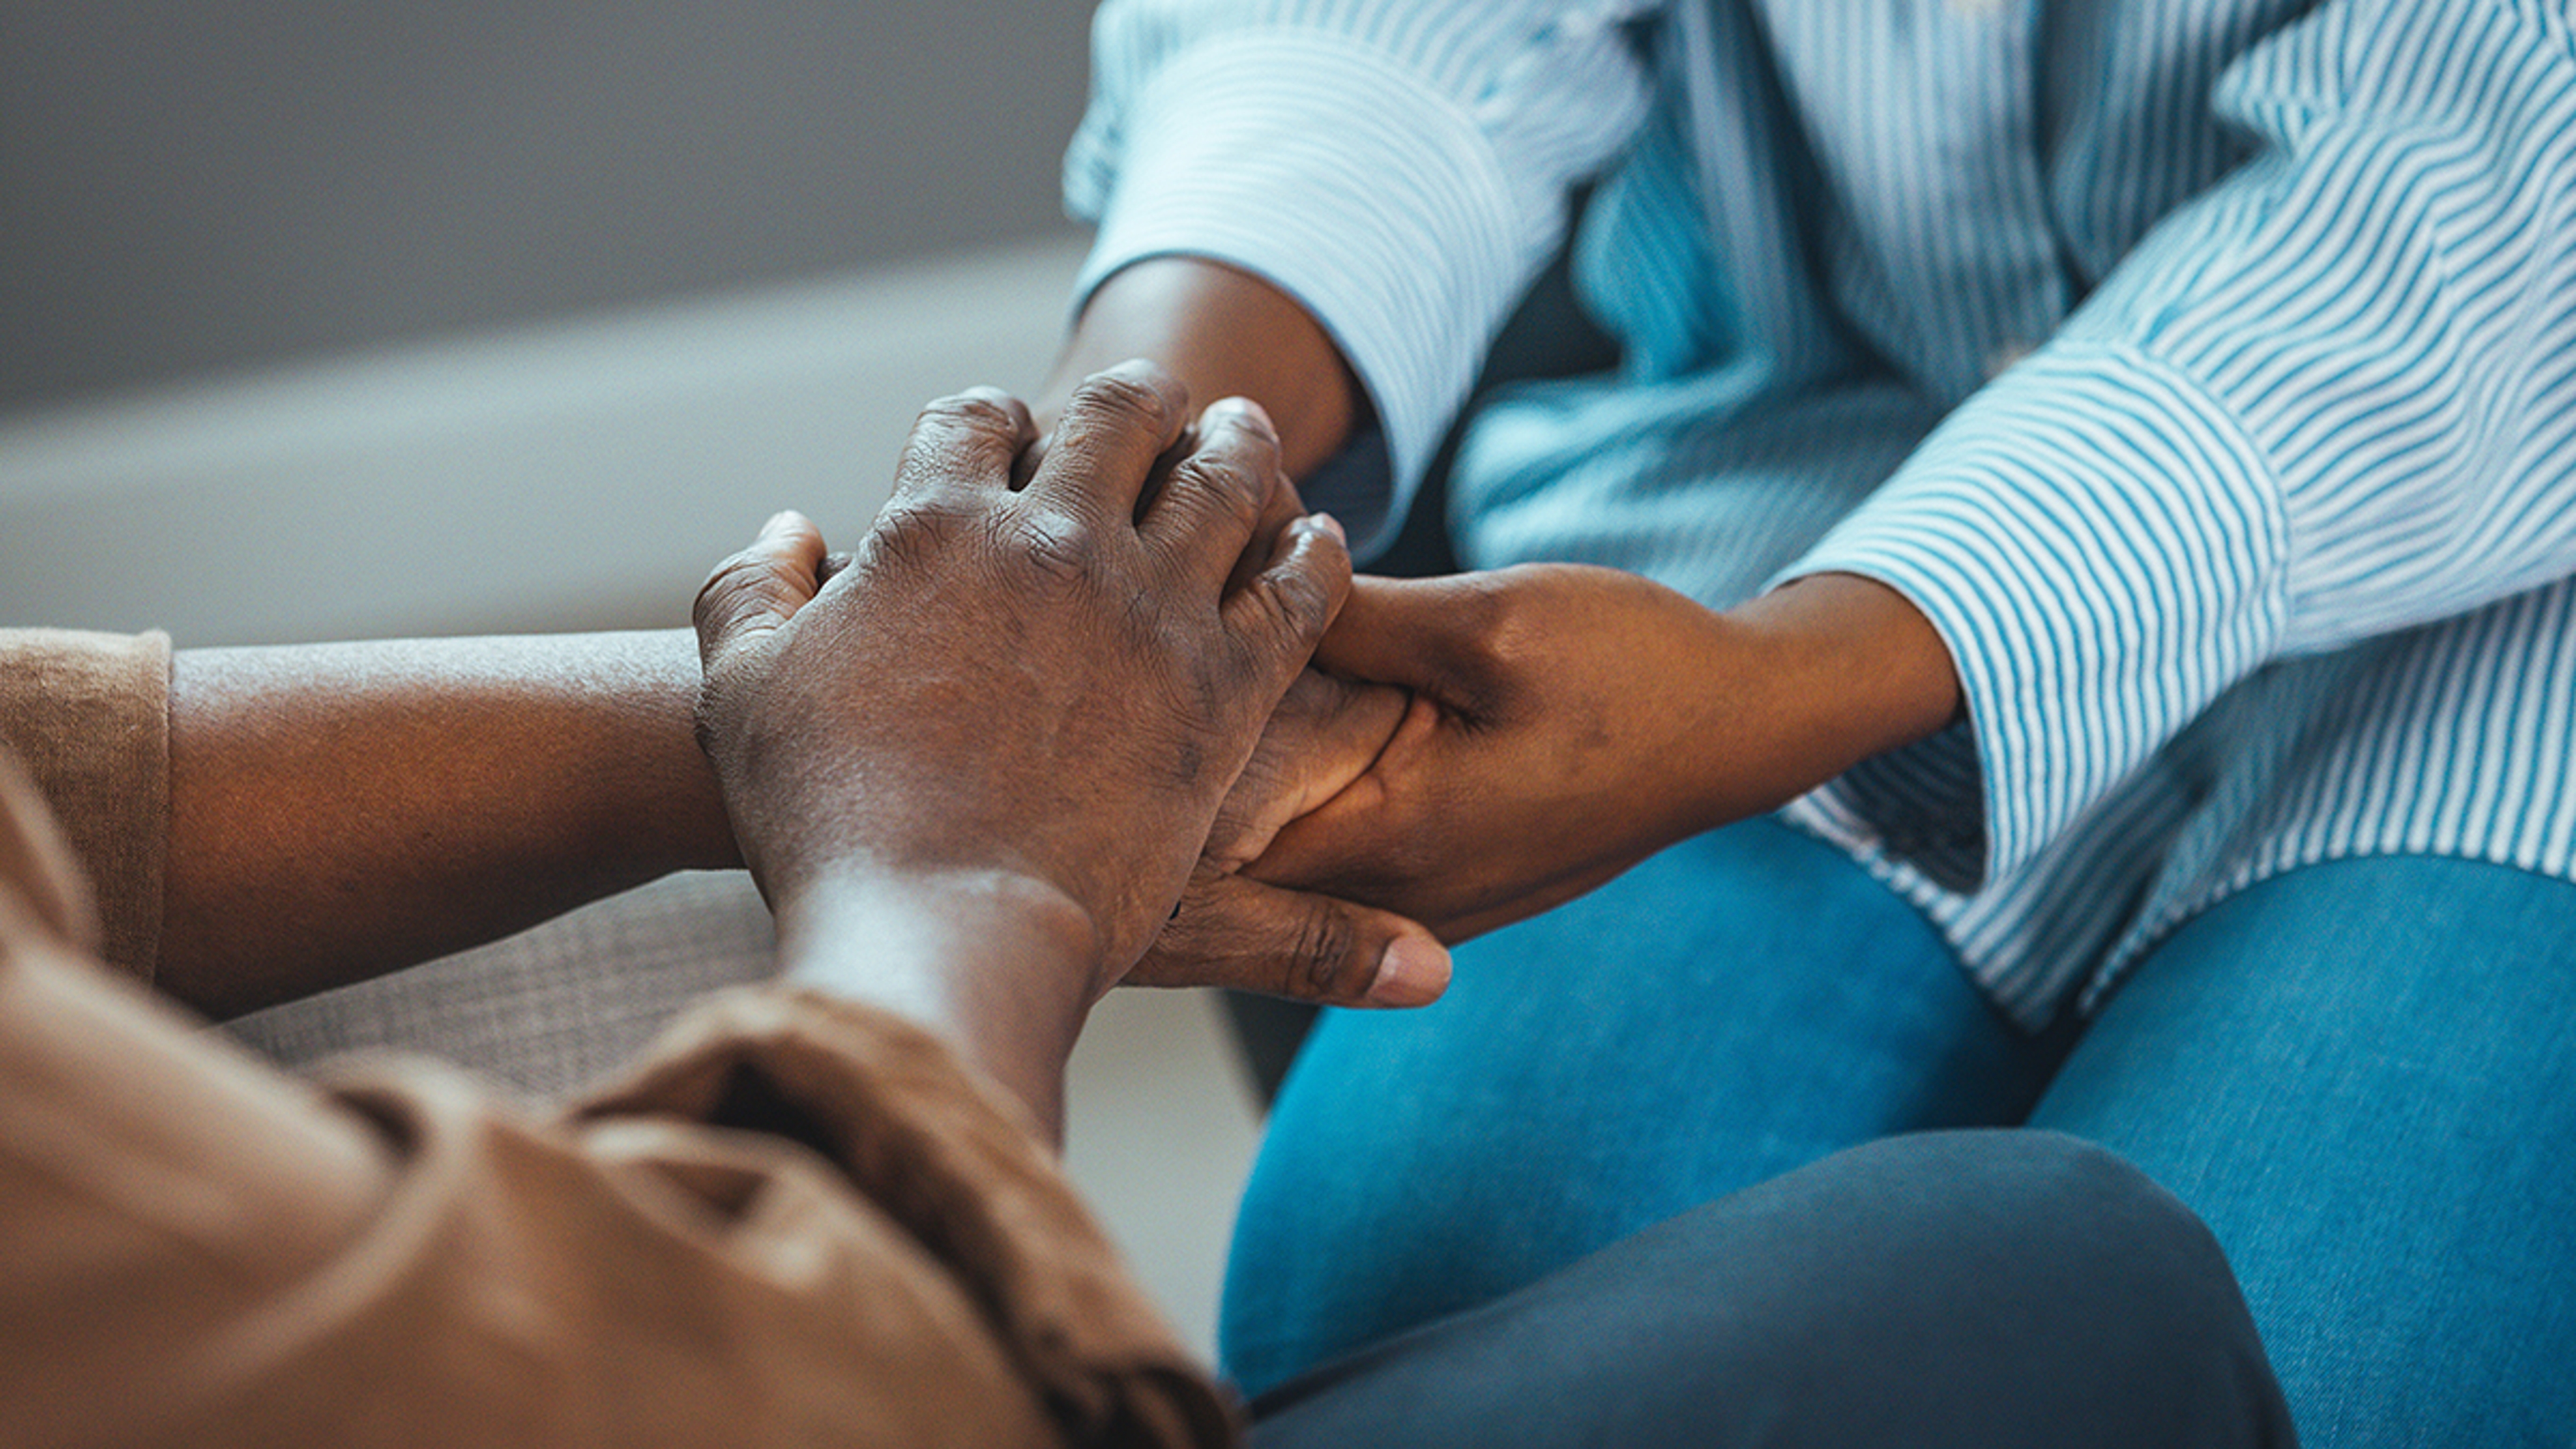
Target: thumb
x=1234, y=931
x=1427, y=635
x=761, y=587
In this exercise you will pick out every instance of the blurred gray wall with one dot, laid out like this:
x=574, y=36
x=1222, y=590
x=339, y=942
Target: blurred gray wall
x=208, y=184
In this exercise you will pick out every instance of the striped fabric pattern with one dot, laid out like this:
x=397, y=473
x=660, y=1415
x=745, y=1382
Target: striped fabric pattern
x=2205, y=370
x=1400, y=169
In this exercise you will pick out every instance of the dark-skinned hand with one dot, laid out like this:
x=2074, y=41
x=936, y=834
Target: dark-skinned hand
x=1054, y=685
x=1567, y=721
x=1234, y=930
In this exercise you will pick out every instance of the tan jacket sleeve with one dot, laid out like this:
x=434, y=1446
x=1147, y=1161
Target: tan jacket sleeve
x=798, y=1222
x=88, y=716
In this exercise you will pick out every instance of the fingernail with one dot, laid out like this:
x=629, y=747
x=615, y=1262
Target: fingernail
x=1329, y=524
x=1413, y=972
x=779, y=522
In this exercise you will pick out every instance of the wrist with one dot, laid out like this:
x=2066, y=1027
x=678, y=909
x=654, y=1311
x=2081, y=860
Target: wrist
x=1850, y=669
x=1002, y=964
x=675, y=806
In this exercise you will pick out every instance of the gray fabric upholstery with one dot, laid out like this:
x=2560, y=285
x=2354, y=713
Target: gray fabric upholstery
x=550, y=1008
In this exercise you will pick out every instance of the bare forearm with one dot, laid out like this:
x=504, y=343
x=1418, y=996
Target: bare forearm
x=1851, y=670
x=1223, y=333
x=341, y=810
x=990, y=960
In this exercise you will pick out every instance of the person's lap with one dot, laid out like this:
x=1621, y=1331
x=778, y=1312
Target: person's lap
x=2361, y=1076
x=1985, y=1289
x=1643, y=1050
x=2370, y=1107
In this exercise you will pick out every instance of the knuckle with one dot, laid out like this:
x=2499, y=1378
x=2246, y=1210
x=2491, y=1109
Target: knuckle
x=1227, y=480
x=1059, y=547
x=1319, y=966
x=1303, y=605
x=969, y=412
x=967, y=432
x=715, y=597
x=904, y=518
x=1119, y=400
x=909, y=533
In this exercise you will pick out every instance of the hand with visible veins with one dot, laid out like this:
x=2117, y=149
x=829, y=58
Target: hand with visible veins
x=1546, y=752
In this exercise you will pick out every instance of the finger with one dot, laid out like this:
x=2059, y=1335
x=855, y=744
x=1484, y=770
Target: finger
x=1395, y=631
x=1203, y=519
x=963, y=445
x=1284, y=611
x=1233, y=931
x=1103, y=447
x=1281, y=508
x=1325, y=734
x=761, y=587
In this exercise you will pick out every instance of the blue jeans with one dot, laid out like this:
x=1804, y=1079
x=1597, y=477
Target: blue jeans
x=2359, y=1074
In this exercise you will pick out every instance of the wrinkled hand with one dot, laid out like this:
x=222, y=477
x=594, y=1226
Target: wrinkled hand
x=1053, y=684
x=1233, y=930
x=1565, y=723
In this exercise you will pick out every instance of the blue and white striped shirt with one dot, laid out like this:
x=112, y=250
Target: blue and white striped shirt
x=2204, y=369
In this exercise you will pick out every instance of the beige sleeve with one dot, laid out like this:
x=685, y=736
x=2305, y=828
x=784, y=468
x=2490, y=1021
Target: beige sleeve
x=801, y=1222
x=88, y=715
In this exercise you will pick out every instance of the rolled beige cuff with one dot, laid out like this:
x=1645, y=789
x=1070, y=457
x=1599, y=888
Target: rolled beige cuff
x=88, y=715
x=957, y=1165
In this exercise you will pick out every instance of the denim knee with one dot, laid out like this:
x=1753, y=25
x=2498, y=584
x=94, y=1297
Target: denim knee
x=1997, y=1287
x=1988, y=1289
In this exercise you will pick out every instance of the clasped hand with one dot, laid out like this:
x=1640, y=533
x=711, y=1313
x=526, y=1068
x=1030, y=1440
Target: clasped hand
x=1046, y=689
x=1563, y=722
x=1557, y=724
x=1045, y=671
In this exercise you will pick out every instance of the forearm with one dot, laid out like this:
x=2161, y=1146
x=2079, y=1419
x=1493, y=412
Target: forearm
x=990, y=961
x=337, y=811
x=1223, y=333
x=1849, y=669
x=1733, y=714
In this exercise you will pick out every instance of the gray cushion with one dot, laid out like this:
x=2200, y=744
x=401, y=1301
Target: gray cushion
x=550, y=1008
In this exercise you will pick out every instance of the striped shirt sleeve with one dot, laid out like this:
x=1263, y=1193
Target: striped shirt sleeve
x=1400, y=170
x=2333, y=397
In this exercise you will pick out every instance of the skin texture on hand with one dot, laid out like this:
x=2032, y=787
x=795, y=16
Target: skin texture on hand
x=1559, y=732
x=1223, y=331
x=1233, y=930
x=1568, y=721
x=972, y=769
